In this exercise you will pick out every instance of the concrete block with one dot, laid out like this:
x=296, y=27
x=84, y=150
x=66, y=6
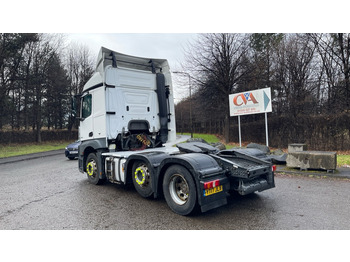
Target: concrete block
x=313, y=160
x=296, y=148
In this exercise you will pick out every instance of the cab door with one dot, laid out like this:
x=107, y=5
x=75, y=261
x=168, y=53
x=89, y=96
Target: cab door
x=86, y=123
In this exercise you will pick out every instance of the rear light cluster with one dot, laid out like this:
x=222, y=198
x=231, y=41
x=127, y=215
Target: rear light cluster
x=274, y=168
x=212, y=184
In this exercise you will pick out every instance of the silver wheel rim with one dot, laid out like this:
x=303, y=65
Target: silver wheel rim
x=178, y=189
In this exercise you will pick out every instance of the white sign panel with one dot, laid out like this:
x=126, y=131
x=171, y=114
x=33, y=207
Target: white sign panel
x=250, y=102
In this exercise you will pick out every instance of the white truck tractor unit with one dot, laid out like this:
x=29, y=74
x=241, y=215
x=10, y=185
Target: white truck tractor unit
x=127, y=132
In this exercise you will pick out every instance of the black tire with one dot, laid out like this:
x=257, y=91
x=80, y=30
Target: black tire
x=142, y=179
x=92, y=169
x=180, y=190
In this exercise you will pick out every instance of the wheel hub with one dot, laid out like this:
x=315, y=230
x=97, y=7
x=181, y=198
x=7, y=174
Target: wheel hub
x=142, y=175
x=179, y=189
x=91, y=168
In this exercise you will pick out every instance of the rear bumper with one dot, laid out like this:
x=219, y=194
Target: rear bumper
x=259, y=183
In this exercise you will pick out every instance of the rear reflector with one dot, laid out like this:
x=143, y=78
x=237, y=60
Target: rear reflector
x=274, y=168
x=212, y=184
x=216, y=183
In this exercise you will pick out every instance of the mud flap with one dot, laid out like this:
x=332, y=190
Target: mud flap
x=215, y=200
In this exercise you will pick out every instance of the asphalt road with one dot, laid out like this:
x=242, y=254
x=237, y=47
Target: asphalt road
x=50, y=193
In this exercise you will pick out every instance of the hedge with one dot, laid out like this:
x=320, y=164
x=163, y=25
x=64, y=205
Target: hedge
x=8, y=137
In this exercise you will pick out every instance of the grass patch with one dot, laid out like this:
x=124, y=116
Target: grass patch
x=24, y=149
x=343, y=160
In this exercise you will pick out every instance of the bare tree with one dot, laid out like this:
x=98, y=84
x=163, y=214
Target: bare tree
x=80, y=67
x=342, y=52
x=296, y=72
x=217, y=62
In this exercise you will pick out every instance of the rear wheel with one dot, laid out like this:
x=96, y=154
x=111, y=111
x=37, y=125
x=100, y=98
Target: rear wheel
x=92, y=169
x=179, y=190
x=141, y=178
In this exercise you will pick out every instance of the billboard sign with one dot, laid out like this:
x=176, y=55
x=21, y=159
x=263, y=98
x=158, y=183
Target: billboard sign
x=250, y=102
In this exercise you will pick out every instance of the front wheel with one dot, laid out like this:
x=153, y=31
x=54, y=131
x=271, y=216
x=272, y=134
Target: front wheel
x=92, y=169
x=179, y=190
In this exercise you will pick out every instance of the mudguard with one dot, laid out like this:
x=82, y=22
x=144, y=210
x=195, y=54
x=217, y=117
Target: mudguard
x=93, y=145
x=203, y=168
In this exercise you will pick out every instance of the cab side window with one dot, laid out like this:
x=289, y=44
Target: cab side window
x=86, y=106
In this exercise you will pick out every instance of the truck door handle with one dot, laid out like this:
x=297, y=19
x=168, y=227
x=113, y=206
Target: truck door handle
x=91, y=134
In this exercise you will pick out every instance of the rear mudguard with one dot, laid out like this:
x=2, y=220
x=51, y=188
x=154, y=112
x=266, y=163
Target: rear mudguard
x=203, y=168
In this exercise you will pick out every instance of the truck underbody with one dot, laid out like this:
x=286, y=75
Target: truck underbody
x=191, y=176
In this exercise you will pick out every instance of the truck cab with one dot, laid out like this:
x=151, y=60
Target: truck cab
x=127, y=104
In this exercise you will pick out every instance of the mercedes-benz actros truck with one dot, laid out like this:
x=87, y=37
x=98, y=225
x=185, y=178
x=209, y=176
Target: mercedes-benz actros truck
x=127, y=132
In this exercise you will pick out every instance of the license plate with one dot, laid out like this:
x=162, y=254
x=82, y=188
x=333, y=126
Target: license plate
x=73, y=152
x=211, y=191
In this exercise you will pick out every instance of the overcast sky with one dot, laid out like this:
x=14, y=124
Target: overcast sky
x=161, y=45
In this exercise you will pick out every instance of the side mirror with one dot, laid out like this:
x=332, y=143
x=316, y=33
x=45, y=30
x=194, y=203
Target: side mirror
x=74, y=106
